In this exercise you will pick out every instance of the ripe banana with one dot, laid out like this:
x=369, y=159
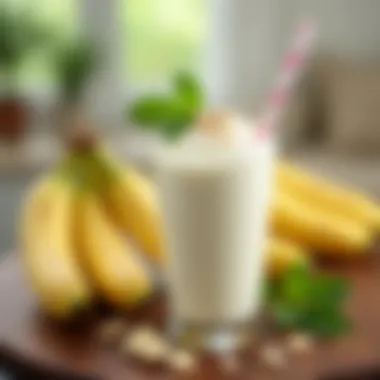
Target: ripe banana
x=324, y=232
x=47, y=251
x=317, y=191
x=132, y=201
x=282, y=254
x=115, y=270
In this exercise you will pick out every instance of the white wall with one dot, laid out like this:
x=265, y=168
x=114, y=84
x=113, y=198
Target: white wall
x=247, y=38
x=351, y=27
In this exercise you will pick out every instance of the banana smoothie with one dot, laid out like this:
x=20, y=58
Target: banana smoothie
x=214, y=186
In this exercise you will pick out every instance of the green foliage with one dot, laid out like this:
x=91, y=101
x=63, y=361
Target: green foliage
x=74, y=62
x=310, y=302
x=20, y=35
x=170, y=114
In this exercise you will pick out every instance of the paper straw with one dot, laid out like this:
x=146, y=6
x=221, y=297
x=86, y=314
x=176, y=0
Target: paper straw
x=292, y=63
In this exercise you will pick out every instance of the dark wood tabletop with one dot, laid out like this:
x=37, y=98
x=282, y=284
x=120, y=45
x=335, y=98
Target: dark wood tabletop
x=28, y=339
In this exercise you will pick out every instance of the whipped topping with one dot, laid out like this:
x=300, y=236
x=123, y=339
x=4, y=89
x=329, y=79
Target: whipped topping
x=211, y=142
x=220, y=129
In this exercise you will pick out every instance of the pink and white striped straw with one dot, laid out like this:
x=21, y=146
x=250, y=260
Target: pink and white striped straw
x=292, y=64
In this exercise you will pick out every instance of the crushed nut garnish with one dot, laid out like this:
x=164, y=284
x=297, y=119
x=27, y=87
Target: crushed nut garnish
x=111, y=331
x=146, y=344
x=273, y=356
x=182, y=360
x=299, y=343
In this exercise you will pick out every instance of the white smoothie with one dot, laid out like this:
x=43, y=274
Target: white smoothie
x=214, y=193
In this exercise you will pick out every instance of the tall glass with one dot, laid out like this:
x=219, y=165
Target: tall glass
x=214, y=204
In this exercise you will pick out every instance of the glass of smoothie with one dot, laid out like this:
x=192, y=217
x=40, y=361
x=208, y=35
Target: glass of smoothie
x=214, y=185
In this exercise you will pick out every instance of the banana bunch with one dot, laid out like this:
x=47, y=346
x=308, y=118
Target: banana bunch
x=81, y=232
x=47, y=248
x=73, y=252
x=326, y=218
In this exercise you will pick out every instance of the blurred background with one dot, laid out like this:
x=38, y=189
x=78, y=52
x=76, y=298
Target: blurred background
x=60, y=59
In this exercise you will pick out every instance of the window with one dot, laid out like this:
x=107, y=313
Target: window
x=59, y=17
x=159, y=36
x=162, y=36
x=144, y=42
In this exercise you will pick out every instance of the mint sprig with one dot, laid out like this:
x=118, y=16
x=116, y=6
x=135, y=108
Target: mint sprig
x=310, y=302
x=189, y=90
x=170, y=114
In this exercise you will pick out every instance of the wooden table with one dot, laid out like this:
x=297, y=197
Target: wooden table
x=28, y=339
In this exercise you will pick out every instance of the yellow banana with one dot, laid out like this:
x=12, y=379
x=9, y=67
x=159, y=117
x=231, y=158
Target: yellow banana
x=47, y=251
x=115, y=270
x=132, y=201
x=317, y=191
x=282, y=254
x=321, y=231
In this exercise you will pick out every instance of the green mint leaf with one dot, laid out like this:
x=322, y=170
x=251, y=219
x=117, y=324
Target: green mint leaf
x=174, y=130
x=153, y=110
x=328, y=291
x=295, y=287
x=325, y=323
x=285, y=315
x=168, y=116
x=309, y=302
x=189, y=90
x=173, y=114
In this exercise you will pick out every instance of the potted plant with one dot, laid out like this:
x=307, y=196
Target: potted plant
x=20, y=35
x=74, y=64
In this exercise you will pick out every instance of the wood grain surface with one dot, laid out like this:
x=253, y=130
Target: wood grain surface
x=29, y=339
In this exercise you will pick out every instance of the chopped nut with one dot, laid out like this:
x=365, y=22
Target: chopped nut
x=111, y=331
x=146, y=344
x=273, y=356
x=299, y=343
x=182, y=360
